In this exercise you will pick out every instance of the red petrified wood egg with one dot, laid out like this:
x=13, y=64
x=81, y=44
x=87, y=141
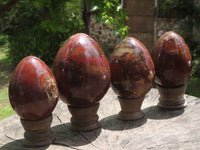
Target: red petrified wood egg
x=132, y=69
x=172, y=60
x=33, y=90
x=82, y=71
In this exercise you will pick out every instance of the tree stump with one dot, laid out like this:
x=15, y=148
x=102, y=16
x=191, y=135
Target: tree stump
x=159, y=129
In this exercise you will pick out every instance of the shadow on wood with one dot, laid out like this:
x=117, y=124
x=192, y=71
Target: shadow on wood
x=64, y=136
x=112, y=123
x=19, y=144
x=154, y=112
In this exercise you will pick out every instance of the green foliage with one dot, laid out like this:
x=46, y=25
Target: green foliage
x=5, y=76
x=183, y=8
x=111, y=13
x=196, y=62
x=41, y=26
x=193, y=87
x=35, y=42
x=3, y=39
x=187, y=13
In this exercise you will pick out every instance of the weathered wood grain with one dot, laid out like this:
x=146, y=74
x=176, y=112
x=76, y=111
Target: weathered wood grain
x=160, y=129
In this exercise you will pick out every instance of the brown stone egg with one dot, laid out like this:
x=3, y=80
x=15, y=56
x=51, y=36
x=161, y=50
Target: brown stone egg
x=172, y=60
x=82, y=71
x=132, y=69
x=33, y=90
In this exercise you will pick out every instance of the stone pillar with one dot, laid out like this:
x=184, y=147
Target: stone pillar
x=141, y=20
x=104, y=35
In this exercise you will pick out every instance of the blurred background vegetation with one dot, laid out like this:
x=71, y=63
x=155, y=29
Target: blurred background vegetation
x=40, y=27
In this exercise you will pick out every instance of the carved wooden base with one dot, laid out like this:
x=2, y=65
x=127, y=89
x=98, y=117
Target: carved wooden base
x=172, y=98
x=130, y=108
x=37, y=133
x=84, y=119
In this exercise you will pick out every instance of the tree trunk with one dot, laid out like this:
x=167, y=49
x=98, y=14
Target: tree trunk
x=86, y=15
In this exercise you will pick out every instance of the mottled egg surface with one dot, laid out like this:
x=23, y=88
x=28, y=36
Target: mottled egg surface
x=33, y=90
x=172, y=60
x=132, y=69
x=82, y=71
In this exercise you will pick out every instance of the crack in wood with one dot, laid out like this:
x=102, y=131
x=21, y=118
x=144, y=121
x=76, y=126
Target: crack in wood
x=158, y=128
x=59, y=119
x=96, y=136
x=88, y=140
x=191, y=101
x=12, y=138
x=123, y=147
x=156, y=97
x=125, y=125
x=147, y=112
x=63, y=144
x=150, y=147
x=195, y=120
x=108, y=143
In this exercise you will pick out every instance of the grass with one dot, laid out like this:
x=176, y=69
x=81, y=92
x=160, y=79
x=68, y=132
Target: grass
x=6, y=111
x=3, y=94
x=193, y=87
x=6, y=70
x=5, y=108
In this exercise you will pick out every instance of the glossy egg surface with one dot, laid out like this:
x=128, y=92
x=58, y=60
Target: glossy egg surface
x=82, y=71
x=33, y=90
x=132, y=69
x=172, y=60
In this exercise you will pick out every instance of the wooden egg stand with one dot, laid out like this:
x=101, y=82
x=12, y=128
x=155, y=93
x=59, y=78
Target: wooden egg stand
x=37, y=133
x=84, y=119
x=130, y=108
x=172, y=98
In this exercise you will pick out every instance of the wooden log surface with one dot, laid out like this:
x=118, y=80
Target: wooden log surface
x=160, y=129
